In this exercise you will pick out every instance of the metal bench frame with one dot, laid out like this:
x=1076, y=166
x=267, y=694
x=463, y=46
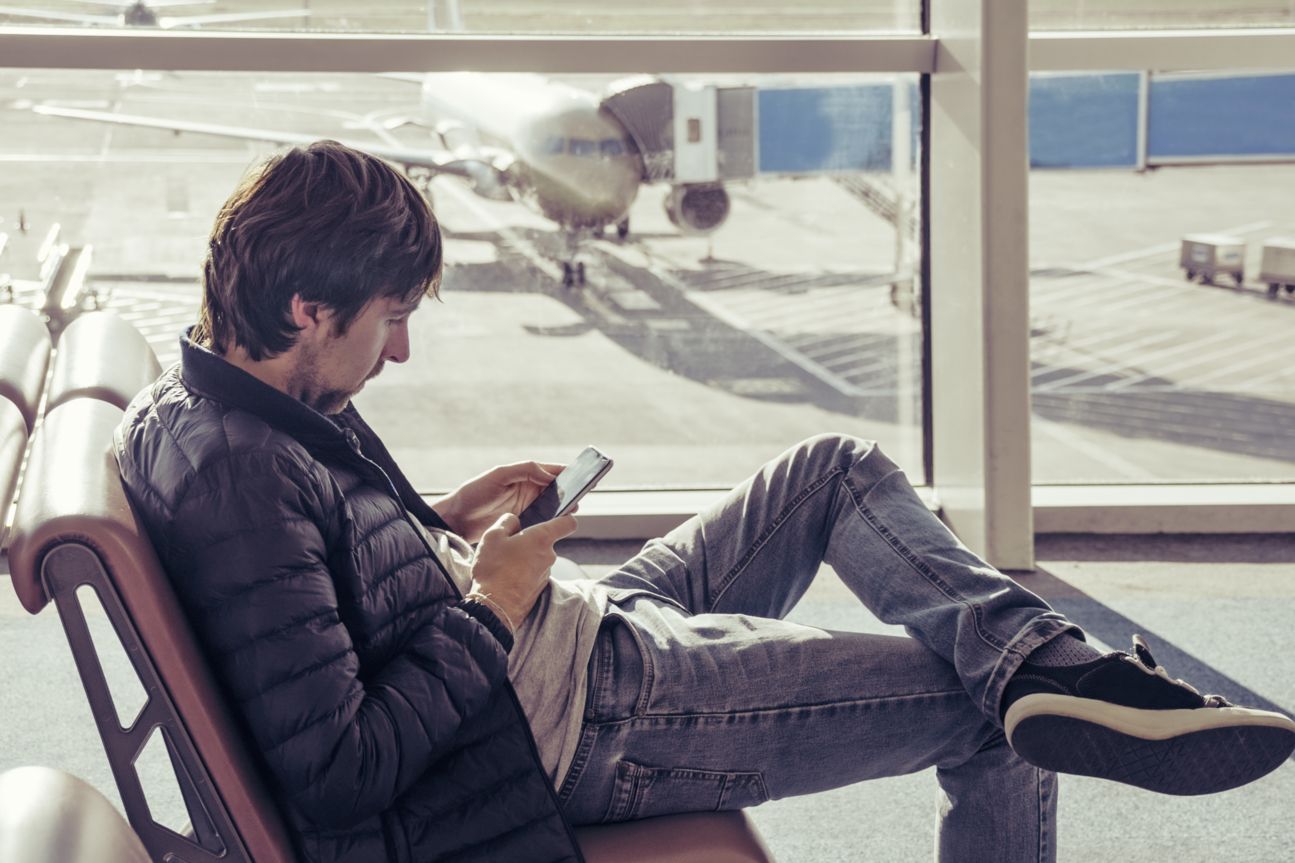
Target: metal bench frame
x=213, y=837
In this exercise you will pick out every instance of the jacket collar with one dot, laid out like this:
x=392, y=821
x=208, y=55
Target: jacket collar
x=208, y=374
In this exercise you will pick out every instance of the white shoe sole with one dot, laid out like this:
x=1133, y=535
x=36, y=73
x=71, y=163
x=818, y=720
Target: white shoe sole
x=1196, y=751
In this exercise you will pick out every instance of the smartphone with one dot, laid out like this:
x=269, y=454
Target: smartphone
x=564, y=492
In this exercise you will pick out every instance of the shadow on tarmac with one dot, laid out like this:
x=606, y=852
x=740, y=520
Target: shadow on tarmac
x=675, y=335
x=1154, y=408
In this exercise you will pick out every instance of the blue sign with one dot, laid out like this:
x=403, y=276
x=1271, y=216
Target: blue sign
x=811, y=130
x=1216, y=117
x=1075, y=121
x=1084, y=121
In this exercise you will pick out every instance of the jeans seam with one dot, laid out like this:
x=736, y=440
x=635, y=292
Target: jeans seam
x=1038, y=799
x=649, y=672
x=910, y=557
x=853, y=702
x=1045, y=790
x=763, y=539
x=624, y=807
x=579, y=761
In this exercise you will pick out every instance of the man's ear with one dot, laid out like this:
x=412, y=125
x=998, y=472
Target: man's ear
x=307, y=316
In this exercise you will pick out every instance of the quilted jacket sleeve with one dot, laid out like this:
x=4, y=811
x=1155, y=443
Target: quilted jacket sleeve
x=248, y=553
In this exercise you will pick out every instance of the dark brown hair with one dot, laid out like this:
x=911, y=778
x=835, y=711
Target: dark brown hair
x=337, y=226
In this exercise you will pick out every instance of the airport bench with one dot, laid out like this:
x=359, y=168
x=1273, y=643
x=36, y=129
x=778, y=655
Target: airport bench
x=24, y=360
x=48, y=815
x=25, y=348
x=74, y=531
x=97, y=355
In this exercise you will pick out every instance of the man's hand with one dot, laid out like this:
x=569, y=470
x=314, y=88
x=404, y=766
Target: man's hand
x=478, y=503
x=512, y=566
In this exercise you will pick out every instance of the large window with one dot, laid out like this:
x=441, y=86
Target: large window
x=734, y=317
x=1161, y=236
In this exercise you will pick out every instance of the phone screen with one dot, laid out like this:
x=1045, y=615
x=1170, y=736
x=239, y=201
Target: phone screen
x=561, y=494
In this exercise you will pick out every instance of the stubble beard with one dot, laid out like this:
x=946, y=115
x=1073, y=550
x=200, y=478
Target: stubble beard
x=312, y=391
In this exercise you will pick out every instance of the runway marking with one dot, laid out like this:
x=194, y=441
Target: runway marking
x=1219, y=309
x=1158, y=368
x=1161, y=248
x=775, y=344
x=1106, y=367
x=1097, y=452
x=819, y=329
x=1250, y=347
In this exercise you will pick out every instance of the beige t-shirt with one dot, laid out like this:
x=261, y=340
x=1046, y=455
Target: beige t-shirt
x=548, y=665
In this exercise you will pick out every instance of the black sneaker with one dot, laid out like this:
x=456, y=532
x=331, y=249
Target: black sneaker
x=1121, y=717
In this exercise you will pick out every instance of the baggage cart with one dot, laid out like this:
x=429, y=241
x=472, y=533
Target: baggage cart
x=1277, y=265
x=1205, y=256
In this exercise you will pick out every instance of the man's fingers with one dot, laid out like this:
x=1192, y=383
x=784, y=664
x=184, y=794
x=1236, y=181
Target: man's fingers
x=556, y=528
x=507, y=524
x=537, y=472
x=543, y=473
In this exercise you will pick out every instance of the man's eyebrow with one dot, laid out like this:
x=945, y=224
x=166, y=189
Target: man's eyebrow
x=408, y=308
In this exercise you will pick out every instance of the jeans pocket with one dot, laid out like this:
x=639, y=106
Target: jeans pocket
x=620, y=672
x=643, y=792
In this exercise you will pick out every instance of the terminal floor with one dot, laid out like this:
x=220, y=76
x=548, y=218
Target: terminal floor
x=1217, y=611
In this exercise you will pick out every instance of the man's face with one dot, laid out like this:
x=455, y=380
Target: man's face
x=332, y=368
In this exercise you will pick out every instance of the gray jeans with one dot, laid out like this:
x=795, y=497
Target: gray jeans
x=701, y=697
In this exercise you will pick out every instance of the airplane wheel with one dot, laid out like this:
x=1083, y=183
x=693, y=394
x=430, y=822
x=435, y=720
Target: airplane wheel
x=1191, y=275
x=623, y=228
x=568, y=275
x=580, y=273
x=1273, y=288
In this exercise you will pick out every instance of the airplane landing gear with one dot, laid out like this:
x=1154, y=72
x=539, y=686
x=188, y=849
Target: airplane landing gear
x=573, y=275
x=623, y=228
x=573, y=268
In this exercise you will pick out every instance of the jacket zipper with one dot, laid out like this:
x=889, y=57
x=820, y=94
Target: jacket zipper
x=354, y=440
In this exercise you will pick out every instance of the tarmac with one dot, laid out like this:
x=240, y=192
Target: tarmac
x=1216, y=611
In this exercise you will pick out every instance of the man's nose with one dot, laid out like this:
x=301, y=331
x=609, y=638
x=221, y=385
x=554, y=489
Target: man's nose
x=398, y=343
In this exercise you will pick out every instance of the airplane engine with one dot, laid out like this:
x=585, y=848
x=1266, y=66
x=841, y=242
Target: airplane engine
x=697, y=208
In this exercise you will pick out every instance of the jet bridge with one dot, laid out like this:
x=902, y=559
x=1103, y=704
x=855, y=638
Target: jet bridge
x=698, y=133
x=686, y=133
x=698, y=137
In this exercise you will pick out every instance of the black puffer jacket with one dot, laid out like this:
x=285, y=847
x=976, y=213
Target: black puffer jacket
x=377, y=698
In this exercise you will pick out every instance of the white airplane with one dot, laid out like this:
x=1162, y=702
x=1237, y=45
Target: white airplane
x=551, y=146
x=137, y=13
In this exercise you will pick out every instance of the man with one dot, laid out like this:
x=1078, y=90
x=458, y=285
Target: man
x=415, y=698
